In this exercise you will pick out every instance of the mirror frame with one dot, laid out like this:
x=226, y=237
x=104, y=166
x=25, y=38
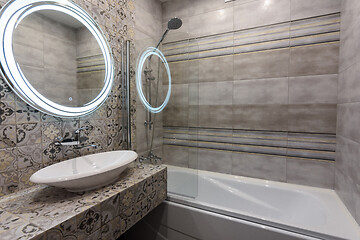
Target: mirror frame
x=10, y=15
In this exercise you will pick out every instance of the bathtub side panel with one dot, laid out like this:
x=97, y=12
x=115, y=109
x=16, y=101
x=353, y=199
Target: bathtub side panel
x=191, y=223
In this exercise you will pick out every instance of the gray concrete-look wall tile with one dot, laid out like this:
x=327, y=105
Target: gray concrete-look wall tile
x=57, y=29
x=28, y=56
x=176, y=155
x=313, y=89
x=261, y=91
x=216, y=93
x=347, y=157
x=348, y=121
x=215, y=22
x=350, y=10
x=316, y=118
x=35, y=76
x=263, y=64
x=357, y=202
x=349, y=88
x=176, y=116
x=344, y=187
x=215, y=161
x=261, y=117
x=310, y=172
x=147, y=22
x=261, y=12
x=349, y=45
x=194, y=94
x=178, y=8
x=314, y=60
x=348, y=136
x=216, y=69
x=191, y=71
x=259, y=166
x=203, y=6
x=194, y=117
x=305, y=9
x=35, y=21
x=179, y=94
x=177, y=73
x=216, y=117
x=23, y=33
x=59, y=54
x=151, y=6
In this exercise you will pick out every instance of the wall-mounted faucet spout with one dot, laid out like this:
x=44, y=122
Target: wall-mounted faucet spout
x=75, y=140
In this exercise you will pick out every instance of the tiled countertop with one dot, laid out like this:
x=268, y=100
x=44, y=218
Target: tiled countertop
x=43, y=212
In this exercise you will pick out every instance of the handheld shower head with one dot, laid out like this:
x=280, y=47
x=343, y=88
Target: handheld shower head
x=174, y=23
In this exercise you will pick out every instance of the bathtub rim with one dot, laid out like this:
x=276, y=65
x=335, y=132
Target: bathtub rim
x=191, y=202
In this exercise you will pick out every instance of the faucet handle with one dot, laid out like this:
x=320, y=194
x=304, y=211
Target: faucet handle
x=77, y=131
x=60, y=138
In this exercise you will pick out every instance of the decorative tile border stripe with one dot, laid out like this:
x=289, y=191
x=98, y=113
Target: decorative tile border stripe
x=300, y=145
x=52, y=213
x=322, y=29
x=90, y=64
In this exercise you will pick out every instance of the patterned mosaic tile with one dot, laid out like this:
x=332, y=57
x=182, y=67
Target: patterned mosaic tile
x=88, y=222
x=7, y=136
x=51, y=153
x=94, y=127
x=6, y=95
x=9, y=182
x=47, y=118
x=127, y=219
x=24, y=177
x=8, y=160
x=50, y=131
x=7, y=113
x=11, y=225
x=29, y=156
x=65, y=230
x=100, y=141
x=25, y=113
x=110, y=209
x=28, y=134
x=112, y=229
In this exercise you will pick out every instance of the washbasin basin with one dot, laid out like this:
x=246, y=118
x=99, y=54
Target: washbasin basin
x=86, y=172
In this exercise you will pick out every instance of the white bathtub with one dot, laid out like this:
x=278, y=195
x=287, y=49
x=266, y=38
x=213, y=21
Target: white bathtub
x=293, y=211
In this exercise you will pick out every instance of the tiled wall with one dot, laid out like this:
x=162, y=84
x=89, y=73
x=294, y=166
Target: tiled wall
x=80, y=77
x=26, y=135
x=147, y=33
x=347, y=167
x=53, y=45
x=262, y=75
x=90, y=66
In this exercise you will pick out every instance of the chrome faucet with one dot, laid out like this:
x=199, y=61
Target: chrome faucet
x=75, y=140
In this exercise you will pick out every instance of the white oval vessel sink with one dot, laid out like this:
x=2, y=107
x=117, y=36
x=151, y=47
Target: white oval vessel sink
x=86, y=172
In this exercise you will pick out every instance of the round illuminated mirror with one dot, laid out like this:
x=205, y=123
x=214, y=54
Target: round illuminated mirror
x=144, y=68
x=55, y=57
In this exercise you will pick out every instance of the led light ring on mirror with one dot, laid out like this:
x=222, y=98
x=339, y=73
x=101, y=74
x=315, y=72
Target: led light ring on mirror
x=10, y=15
x=147, y=53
